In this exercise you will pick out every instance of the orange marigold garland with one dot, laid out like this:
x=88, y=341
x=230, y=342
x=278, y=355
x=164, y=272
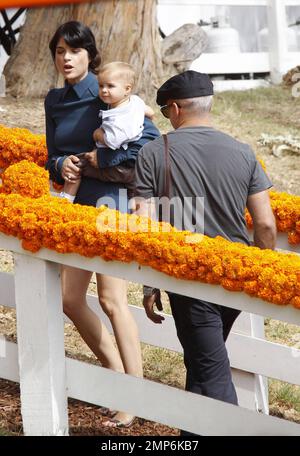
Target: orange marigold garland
x=56, y=224
x=18, y=144
x=25, y=178
x=286, y=209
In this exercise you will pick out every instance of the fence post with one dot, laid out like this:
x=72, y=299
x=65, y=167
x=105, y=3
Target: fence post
x=41, y=355
x=252, y=389
x=261, y=382
x=278, y=46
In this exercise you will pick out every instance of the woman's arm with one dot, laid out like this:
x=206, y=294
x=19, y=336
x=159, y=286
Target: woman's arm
x=61, y=167
x=55, y=160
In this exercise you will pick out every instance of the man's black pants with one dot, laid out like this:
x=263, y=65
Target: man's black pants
x=202, y=328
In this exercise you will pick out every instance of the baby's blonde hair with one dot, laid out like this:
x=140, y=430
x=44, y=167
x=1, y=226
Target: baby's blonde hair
x=120, y=69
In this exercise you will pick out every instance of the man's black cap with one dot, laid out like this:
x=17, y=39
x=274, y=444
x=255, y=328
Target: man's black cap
x=189, y=84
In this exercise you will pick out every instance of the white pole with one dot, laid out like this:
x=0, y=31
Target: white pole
x=41, y=346
x=278, y=46
x=252, y=390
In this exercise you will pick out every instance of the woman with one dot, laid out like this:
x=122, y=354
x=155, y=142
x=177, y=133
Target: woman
x=71, y=118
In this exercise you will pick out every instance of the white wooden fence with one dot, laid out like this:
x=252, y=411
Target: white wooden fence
x=47, y=378
x=277, y=61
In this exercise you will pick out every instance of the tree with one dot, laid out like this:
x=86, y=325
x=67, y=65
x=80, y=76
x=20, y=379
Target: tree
x=125, y=30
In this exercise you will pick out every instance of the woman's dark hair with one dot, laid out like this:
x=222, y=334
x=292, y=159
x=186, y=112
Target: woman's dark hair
x=77, y=35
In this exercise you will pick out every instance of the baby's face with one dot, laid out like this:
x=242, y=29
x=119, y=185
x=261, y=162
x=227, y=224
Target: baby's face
x=113, y=89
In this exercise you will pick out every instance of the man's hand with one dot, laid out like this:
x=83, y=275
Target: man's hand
x=149, y=302
x=91, y=157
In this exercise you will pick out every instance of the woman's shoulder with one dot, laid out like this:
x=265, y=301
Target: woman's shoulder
x=53, y=96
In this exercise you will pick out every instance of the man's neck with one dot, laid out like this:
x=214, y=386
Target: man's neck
x=195, y=122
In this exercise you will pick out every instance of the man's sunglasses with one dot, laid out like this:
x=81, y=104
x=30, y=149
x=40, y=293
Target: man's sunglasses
x=165, y=109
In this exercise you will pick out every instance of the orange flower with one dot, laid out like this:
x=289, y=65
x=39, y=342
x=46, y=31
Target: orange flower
x=286, y=209
x=18, y=144
x=25, y=178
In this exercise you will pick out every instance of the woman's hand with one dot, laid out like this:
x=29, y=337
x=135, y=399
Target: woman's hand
x=69, y=171
x=91, y=157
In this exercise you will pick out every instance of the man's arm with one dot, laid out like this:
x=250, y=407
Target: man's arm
x=264, y=224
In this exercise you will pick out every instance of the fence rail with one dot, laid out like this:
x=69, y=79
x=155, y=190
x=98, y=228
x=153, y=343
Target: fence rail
x=42, y=362
x=283, y=361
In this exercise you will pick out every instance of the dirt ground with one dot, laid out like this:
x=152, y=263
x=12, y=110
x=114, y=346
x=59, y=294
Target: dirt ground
x=84, y=419
x=244, y=116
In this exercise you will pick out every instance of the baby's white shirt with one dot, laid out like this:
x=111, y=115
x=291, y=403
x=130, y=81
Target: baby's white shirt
x=123, y=124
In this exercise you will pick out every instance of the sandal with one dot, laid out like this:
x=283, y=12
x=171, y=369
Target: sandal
x=105, y=411
x=118, y=423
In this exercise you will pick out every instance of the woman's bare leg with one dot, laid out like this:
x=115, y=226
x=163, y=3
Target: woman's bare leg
x=74, y=285
x=113, y=299
x=112, y=294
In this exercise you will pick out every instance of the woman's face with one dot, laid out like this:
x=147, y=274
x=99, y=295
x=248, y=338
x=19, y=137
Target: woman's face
x=72, y=63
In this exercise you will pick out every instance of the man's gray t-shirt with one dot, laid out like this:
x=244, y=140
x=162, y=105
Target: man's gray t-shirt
x=206, y=163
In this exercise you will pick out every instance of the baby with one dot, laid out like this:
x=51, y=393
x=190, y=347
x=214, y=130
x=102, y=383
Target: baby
x=122, y=122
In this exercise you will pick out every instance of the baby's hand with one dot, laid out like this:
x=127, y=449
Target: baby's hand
x=149, y=112
x=91, y=157
x=98, y=135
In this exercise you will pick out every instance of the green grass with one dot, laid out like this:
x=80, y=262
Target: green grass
x=163, y=366
x=285, y=395
x=282, y=333
x=247, y=114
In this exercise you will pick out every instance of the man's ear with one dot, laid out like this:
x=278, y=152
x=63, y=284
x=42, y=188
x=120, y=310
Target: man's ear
x=176, y=108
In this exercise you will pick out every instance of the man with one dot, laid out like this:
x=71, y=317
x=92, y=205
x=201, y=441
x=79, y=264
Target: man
x=204, y=162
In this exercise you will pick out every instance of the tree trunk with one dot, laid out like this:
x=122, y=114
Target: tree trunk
x=125, y=30
x=30, y=70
